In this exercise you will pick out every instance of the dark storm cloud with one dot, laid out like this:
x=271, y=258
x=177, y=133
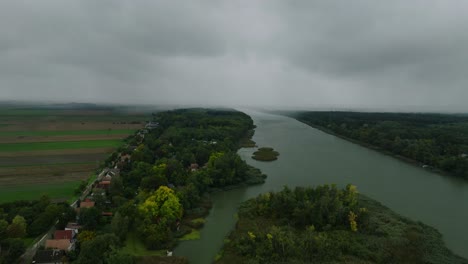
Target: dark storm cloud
x=393, y=54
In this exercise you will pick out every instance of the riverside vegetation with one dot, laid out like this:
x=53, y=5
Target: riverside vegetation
x=328, y=225
x=265, y=154
x=437, y=141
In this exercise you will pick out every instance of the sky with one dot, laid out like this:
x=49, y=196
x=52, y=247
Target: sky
x=360, y=54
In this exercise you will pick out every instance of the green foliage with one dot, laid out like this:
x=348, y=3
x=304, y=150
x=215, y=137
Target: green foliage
x=95, y=251
x=17, y=228
x=120, y=226
x=329, y=225
x=265, y=154
x=89, y=218
x=436, y=140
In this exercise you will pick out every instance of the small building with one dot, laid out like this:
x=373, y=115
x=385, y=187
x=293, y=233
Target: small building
x=49, y=256
x=464, y=155
x=152, y=125
x=107, y=214
x=104, y=185
x=60, y=244
x=64, y=234
x=87, y=204
x=194, y=167
x=75, y=227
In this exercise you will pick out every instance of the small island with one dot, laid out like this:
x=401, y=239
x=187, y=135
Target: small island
x=265, y=154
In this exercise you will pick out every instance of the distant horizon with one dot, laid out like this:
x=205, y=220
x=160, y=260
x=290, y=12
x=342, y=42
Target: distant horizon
x=413, y=109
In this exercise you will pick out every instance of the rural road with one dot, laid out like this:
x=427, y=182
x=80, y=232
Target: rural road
x=28, y=255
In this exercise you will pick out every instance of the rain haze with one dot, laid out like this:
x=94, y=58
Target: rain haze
x=398, y=55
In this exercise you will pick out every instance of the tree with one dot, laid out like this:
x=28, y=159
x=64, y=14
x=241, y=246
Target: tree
x=86, y=235
x=94, y=251
x=17, y=228
x=162, y=206
x=119, y=226
x=117, y=257
x=89, y=218
x=15, y=249
x=3, y=228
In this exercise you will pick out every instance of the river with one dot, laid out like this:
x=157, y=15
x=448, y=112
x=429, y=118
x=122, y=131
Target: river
x=311, y=157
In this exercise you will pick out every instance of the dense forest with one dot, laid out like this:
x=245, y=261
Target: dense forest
x=328, y=225
x=437, y=141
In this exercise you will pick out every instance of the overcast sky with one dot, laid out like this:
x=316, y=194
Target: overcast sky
x=398, y=54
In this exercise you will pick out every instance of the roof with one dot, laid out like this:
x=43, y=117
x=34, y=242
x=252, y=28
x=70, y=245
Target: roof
x=63, y=244
x=194, y=166
x=73, y=226
x=63, y=234
x=105, y=183
x=48, y=256
x=106, y=213
x=86, y=204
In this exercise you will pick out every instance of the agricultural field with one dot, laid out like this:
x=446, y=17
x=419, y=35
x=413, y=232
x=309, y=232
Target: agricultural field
x=51, y=149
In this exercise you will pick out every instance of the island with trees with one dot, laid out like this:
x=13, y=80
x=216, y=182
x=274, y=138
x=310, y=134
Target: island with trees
x=433, y=141
x=265, y=154
x=326, y=224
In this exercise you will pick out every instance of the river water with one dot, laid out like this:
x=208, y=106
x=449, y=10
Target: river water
x=310, y=157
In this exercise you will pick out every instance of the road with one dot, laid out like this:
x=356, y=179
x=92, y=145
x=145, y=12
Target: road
x=31, y=251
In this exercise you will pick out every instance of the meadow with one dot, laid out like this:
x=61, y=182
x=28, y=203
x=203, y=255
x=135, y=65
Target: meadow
x=52, y=149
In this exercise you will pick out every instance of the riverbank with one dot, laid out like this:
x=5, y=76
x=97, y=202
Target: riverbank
x=378, y=149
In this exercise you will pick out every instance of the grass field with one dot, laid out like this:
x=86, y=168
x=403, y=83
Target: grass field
x=59, y=191
x=50, y=149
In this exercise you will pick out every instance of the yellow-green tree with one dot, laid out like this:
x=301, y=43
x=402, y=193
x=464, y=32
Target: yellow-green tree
x=17, y=228
x=162, y=206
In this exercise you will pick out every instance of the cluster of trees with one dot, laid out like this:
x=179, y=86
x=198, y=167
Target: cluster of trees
x=329, y=225
x=28, y=219
x=436, y=140
x=189, y=154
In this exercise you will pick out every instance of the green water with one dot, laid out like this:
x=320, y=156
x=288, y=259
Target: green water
x=311, y=157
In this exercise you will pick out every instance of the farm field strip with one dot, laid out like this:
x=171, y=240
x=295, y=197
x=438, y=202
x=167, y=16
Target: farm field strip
x=32, y=139
x=5, y=171
x=68, y=132
x=56, y=152
x=12, y=147
x=18, y=180
x=65, y=127
x=45, y=164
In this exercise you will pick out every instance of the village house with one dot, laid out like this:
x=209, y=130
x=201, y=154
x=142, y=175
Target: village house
x=152, y=125
x=87, y=203
x=75, y=227
x=60, y=244
x=64, y=234
x=194, y=167
x=104, y=185
x=49, y=257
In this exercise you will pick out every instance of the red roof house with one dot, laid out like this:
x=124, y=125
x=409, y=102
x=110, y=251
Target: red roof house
x=63, y=234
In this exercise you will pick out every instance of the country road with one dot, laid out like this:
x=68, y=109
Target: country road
x=31, y=251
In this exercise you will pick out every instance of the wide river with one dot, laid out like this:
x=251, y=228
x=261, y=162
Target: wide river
x=310, y=157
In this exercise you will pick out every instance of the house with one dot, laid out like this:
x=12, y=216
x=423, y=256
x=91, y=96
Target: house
x=75, y=227
x=60, y=244
x=104, y=185
x=49, y=257
x=64, y=234
x=106, y=213
x=152, y=125
x=194, y=167
x=113, y=172
x=87, y=204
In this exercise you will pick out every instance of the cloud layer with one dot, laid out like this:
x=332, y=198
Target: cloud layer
x=401, y=55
